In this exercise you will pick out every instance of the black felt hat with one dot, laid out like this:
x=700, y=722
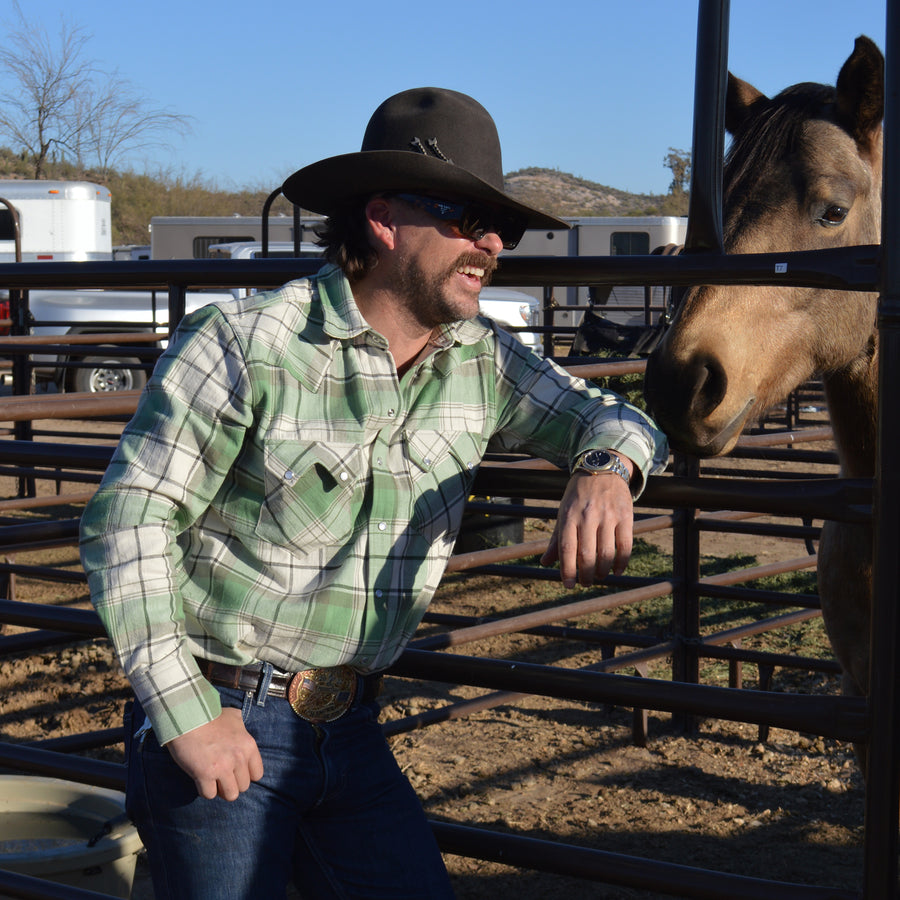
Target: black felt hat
x=427, y=140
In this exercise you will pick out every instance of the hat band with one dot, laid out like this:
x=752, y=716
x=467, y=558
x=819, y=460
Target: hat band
x=419, y=147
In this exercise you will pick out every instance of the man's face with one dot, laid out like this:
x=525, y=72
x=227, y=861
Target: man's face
x=439, y=294
x=439, y=273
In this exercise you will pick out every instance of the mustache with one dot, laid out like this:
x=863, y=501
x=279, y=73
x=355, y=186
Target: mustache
x=480, y=261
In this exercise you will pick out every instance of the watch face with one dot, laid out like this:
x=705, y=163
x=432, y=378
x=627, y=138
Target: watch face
x=597, y=459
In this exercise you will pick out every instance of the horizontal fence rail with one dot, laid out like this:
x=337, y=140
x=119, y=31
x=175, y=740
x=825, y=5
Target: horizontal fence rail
x=847, y=268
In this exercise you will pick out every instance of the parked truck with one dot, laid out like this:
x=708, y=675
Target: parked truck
x=60, y=221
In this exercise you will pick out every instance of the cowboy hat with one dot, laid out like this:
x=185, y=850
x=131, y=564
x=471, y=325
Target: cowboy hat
x=428, y=139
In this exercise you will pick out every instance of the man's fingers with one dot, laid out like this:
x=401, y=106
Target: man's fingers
x=256, y=767
x=594, y=531
x=230, y=788
x=207, y=788
x=220, y=756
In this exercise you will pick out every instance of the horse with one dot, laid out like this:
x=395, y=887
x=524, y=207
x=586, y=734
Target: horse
x=802, y=172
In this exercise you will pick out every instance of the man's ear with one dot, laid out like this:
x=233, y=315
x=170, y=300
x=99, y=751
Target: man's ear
x=380, y=216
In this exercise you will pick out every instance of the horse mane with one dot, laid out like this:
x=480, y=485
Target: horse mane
x=770, y=132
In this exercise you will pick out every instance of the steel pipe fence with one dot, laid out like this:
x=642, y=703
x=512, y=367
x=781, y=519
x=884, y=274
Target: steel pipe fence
x=85, y=623
x=695, y=499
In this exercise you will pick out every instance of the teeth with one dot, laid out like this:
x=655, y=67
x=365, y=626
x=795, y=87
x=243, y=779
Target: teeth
x=471, y=270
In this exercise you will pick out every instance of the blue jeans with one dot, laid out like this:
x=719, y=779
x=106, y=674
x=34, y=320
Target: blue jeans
x=333, y=813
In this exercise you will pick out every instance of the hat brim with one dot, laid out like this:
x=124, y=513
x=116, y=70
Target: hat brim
x=324, y=186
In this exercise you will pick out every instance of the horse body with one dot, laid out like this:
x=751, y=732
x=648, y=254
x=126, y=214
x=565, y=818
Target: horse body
x=803, y=173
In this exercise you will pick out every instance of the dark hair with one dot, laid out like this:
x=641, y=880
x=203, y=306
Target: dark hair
x=345, y=238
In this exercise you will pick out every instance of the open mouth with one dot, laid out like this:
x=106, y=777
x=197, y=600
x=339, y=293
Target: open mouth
x=474, y=272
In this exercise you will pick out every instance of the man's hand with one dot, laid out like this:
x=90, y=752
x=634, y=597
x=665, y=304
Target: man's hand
x=220, y=756
x=594, y=529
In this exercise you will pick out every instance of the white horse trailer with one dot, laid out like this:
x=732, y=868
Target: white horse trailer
x=54, y=220
x=604, y=236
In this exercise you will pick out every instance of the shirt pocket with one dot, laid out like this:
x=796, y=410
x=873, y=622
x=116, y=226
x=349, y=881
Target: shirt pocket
x=442, y=469
x=310, y=493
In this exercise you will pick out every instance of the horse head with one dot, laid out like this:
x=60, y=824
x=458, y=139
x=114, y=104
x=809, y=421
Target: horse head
x=803, y=172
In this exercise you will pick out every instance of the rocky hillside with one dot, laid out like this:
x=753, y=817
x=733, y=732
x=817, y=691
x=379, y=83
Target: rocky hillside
x=566, y=195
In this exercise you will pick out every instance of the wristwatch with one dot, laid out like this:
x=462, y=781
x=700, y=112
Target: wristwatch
x=596, y=462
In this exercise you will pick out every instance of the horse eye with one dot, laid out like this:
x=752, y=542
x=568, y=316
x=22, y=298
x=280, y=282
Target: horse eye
x=834, y=215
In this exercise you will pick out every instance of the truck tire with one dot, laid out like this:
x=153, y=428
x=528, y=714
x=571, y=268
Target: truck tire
x=108, y=374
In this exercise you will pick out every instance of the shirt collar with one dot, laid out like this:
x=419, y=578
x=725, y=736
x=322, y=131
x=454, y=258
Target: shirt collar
x=342, y=319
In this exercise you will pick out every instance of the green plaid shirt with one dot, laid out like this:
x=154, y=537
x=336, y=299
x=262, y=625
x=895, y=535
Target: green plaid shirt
x=280, y=495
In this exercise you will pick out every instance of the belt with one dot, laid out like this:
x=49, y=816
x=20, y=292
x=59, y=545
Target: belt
x=316, y=695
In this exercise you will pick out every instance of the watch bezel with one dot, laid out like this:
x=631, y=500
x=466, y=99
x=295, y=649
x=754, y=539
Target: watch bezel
x=610, y=463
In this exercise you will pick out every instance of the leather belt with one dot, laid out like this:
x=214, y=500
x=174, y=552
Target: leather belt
x=316, y=695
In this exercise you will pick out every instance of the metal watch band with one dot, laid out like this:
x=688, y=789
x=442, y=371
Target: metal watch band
x=598, y=462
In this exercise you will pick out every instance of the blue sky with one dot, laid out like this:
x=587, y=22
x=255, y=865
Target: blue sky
x=596, y=88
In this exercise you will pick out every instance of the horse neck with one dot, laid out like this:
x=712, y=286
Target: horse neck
x=852, y=394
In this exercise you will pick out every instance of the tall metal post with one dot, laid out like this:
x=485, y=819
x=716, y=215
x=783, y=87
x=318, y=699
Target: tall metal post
x=704, y=230
x=883, y=776
x=704, y=234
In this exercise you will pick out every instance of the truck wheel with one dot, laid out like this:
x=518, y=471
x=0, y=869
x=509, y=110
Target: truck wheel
x=100, y=375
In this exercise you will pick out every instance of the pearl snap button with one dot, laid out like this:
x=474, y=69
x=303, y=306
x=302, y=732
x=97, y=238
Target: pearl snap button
x=382, y=526
x=289, y=475
x=343, y=476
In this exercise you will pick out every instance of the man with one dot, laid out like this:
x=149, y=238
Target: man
x=280, y=510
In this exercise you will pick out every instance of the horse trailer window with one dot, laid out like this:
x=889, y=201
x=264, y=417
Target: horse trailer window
x=629, y=243
x=7, y=226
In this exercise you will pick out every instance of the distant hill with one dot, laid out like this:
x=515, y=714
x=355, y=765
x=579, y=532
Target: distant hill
x=566, y=195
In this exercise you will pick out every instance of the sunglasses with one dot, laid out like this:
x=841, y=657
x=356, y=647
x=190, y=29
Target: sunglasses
x=471, y=220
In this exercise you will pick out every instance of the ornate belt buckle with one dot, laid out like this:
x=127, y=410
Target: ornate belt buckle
x=322, y=695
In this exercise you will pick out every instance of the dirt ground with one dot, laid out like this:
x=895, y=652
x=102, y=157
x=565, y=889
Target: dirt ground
x=788, y=808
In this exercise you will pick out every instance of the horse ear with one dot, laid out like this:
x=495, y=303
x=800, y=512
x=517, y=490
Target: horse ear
x=860, y=92
x=739, y=101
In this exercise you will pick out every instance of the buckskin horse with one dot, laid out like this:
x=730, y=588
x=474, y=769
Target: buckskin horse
x=803, y=172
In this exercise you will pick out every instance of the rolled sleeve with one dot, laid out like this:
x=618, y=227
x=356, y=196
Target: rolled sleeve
x=554, y=415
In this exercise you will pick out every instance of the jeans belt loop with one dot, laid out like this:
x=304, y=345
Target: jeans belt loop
x=265, y=680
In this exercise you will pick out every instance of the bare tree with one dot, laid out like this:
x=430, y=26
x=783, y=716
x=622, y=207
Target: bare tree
x=48, y=76
x=60, y=104
x=117, y=120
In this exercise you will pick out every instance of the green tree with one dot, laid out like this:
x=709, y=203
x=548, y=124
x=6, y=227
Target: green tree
x=679, y=162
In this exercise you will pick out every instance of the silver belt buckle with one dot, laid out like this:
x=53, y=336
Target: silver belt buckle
x=322, y=695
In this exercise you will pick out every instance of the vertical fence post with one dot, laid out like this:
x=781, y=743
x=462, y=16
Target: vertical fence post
x=883, y=775
x=704, y=234
x=685, y=597
x=704, y=229
x=177, y=303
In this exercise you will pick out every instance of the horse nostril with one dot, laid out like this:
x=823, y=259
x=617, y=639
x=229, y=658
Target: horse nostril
x=689, y=390
x=710, y=385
